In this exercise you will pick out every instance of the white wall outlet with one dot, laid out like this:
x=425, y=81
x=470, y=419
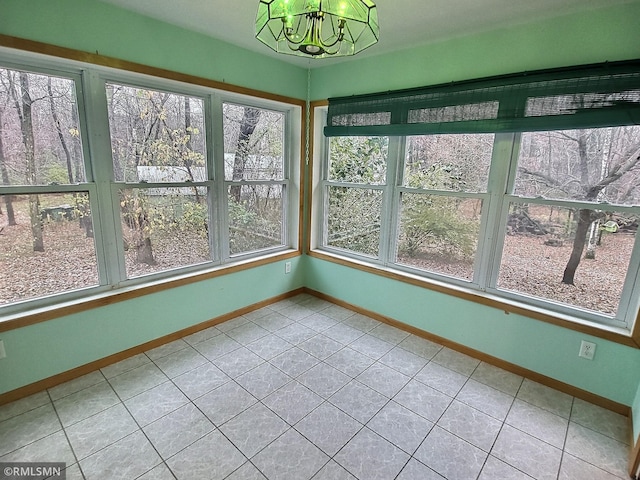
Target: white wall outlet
x=3, y=352
x=587, y=350
x=287, y=267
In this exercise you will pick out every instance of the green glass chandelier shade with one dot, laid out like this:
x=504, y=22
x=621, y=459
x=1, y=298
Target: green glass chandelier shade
x=317, y=28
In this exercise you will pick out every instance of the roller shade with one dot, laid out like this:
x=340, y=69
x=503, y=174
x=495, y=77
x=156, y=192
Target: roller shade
x=585, y=97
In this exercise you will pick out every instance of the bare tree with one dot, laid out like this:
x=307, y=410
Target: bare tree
x=250, y=118
x=8, y=201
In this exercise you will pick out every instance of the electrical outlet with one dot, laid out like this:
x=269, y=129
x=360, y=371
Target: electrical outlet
x=287, y=267
x=587, y=350
x=3, y=352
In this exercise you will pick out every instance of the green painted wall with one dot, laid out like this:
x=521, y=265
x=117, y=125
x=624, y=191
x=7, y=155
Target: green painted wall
x=93, y=26
x=636, y=415
x=48, y=348
x=590, y=37
x=553, y=351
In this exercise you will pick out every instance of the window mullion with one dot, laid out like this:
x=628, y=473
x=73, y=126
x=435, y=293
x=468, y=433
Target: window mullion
x=492, y=228
x=391, y=203
x=219, y=202
x=106, y=205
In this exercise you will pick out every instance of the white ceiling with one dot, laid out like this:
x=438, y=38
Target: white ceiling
x=403, y=23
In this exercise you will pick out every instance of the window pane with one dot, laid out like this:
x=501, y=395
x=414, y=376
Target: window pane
x=448, y=162
x=598, y=164
x=539, y=243
x=156, y=136
x=358, y=159
x=255, y=217
x=164, y=228
x=48, y=245
x=353, y=219
x=439, y=233
x=39, y=130
x=253, y=143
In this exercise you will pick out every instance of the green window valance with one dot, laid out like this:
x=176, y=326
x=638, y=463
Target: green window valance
x=581, y=97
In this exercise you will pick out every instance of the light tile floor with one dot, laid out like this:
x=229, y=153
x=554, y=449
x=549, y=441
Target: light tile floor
x=304, y=389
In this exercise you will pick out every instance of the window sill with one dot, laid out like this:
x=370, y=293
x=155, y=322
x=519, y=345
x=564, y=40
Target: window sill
x=611, y=333
x=49, y=312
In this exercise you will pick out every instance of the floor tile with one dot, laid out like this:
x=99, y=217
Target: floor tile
x=472, y=425
x=495, y=469
x=295, y=333
x=337, y=312
x=324, y=380
x=155, y=403
x=248, y=471
x=601, y=420
x=127, y=458
x=24, y=405
x=456, y=361
x=200, y=380
x=202, y=335
x=368, y=456
x=328, y=427
x=371, y=346
x=383, y=379
x=180, y=362
x=103, y=429
x=254, y=429
x=423, y=400
x=403, y=361
x=273, y=321
x=125, y=365
x=52, y=448
x=314, y=303
x=138, y=380
x=598, y=449
x=213, y=457
x=400, y=426
x=441, y=446
x=333, y=471
x=166, y=349
x=225, y=402
x=527, y=454
x=546, y=397
x=486, y=399
x=233, y=323
x=238, y=362
x=290, y=457
x=342, y=333
x=28, y=427
x=420, y=346
x=247, y=333
x=263, y=380
x=296, y=312
x=217, y=346
x=318, y=322
x=361, y=322
x=259, y=313
x=350, y=362
x=320, y=346
x=388, y=333
x=292, y=402
x=414, y=470
x=497, y=378
x=76, y=385
x=178, y=430
x=80, y=405
x=294, y=361
x=573, y=468
x=269, y=346
x=441, y=378
x=159, y=472
x=358, y=400
x=538, y=422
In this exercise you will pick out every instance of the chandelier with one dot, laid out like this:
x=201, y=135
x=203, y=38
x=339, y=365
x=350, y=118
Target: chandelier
x=317, y=28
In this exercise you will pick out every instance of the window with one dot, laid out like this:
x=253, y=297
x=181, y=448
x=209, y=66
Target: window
x=525, y=188
x=46, y=200
x=179, y=178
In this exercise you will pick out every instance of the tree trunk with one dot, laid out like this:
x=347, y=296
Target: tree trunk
x=8, y=199
x=56, y=122
x=579, y=241
x=250, y=118
x=24, y=107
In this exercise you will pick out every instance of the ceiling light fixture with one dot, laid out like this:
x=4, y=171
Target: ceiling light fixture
x=317, y=28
